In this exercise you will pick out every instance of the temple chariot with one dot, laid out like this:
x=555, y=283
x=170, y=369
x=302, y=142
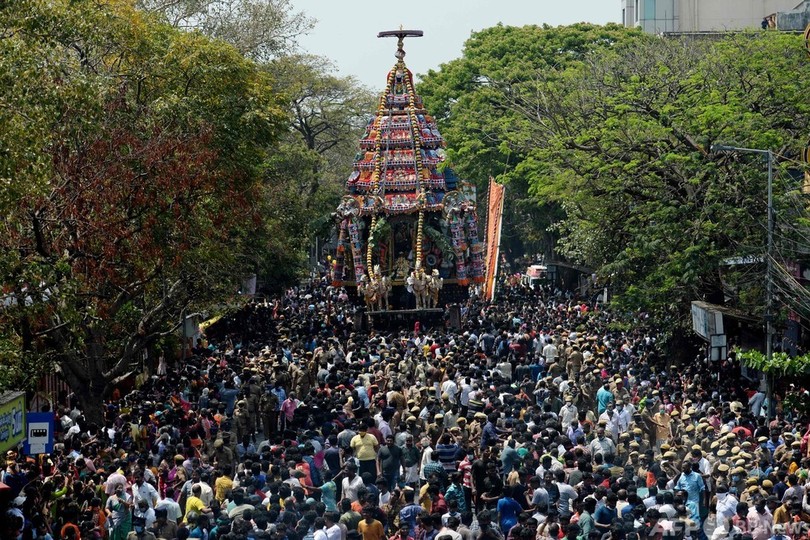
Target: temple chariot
x=407, y=226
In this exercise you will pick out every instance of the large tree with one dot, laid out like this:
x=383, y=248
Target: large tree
x=614, y=138
x=134, y=155
x=259, y=29
x=472, y=97
x=326, y=115
x=623, y=142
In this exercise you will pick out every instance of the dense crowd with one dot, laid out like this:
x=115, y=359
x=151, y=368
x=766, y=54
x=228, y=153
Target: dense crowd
x=541, y=418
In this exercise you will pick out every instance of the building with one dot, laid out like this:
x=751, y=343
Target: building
x=686, y=16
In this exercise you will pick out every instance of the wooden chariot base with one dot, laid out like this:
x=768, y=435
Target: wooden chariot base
x=405, y=318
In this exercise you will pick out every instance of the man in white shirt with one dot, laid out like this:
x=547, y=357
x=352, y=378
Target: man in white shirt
x=550, y=352
x=450, y=529
x=568, y=412
x=351, y=482
x=143, y=511
x=319, y=530
x=173, y=510
x=450, y=388
x=623, y=418
x=207, y=494
x=465, y=390
x=333, y=531
x=144, y=491
x=547, y=464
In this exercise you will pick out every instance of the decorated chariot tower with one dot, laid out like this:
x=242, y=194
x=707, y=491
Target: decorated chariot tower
x=407, y=226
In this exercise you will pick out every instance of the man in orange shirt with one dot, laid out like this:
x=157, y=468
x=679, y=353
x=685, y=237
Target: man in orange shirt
x=370, y=528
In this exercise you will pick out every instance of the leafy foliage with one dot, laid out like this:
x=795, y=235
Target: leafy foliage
x=472, y=98
x=781, y=364
x=258, y=29
x=135, y=156
x=326, y=116
x=605, y=133
x=441, y=241
x=381, y=229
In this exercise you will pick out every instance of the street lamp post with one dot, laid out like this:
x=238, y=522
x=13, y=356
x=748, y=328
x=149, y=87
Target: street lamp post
x=768, y=261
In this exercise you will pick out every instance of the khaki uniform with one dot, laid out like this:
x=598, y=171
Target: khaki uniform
x=241, y=420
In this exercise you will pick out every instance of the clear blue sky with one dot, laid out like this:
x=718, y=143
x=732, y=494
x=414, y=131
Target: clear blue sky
x=346, y=30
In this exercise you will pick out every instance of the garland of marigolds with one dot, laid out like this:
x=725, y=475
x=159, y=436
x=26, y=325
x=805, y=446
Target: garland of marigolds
x=417, y=155
x=375, y=177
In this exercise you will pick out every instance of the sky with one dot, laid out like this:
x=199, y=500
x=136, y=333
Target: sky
x=346, y=30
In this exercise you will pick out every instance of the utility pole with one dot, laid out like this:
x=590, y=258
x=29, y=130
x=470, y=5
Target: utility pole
x=769, y=316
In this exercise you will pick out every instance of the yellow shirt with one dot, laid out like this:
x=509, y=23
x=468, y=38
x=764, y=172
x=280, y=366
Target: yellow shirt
x=371, y=531
x=364, y=446
x=193, y=504
x=221, y=487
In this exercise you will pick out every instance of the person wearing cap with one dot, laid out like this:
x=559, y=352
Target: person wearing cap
x=222, y=455
x=140, y=530
x=241, y=419
x=269, y=407
x=162, y=527
x=476, y=426
x=783, y=452
x=436, y=428
x=574, y=363
x=462, y=434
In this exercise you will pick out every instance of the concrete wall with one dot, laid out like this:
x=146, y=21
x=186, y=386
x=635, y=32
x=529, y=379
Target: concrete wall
x=796, y=20
x=657, y=16
x=708, y=15
x=629, y=13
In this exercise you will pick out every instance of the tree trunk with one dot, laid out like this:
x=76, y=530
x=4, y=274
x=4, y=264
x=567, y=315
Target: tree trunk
x=91, y=399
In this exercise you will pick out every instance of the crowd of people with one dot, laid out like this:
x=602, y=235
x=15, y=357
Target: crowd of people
x=542, y=417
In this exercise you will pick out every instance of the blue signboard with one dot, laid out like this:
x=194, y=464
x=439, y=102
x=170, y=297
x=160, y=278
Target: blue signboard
x=40, y=434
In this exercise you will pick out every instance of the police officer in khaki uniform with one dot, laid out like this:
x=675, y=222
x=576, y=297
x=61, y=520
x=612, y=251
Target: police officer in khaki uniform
x=241, y=419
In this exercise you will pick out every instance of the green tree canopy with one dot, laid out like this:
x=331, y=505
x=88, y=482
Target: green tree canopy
x=472, y=96
x=609, y=131
x=134, y=156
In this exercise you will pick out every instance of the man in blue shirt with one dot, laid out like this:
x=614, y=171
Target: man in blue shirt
x=692, y=483
x=603, y=397
x=489, y=436
x=409, y=514
x=604, y=516
x=774, y=442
